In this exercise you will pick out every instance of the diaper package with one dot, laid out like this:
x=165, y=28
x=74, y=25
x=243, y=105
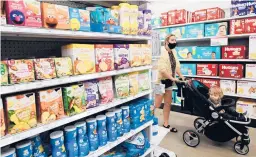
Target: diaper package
x=252, y=47
x=179, y=32
x=106, y=90
x=211, y=82
x=91, y=93
x=207, y=69
x=233, y=52
x=195, y=31
x=247, y=107
x=122, y=86
x=250, y=71
x=79, y=19
x=246, y=88
x=188, y=69
x=144, y=81
x=216, y=29
x=228, y=86
x=163, y=33
x=188, y=52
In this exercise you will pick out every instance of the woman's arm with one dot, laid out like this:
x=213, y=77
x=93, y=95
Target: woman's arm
x=179, y=73
x=167, y=75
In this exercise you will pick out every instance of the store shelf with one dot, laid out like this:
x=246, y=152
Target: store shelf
x=241, y=96
x=151, y=149
x=223, y=78
x=111, y=145
x=162, y=132
x=9, y=139
x=217, y=60
x=15, y=31
x=176, y=104
x=209, y=21
x=66, y=80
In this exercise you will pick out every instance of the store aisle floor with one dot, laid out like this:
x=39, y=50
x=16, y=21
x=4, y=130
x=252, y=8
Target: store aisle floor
x=206, y=148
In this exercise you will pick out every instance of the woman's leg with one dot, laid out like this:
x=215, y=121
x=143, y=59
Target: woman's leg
x=158, y=100
x=167, y=106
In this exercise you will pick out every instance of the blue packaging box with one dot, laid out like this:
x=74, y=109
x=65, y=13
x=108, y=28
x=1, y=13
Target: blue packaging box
x=238, y=8
x=179, y=32
x=195, y=31
x=216, y=29
x=251, y=8
x=177, y=99
x=156, y=22
x=187, y=52
x=163, y=33
x=79, y=19
x=188, y=69
x=209, y=52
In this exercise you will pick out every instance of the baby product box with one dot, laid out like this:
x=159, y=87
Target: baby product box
x=231, y=70
x=104, y=57
x=92, y=98
x=195, y=31
x=124, y=17
x=2, y=118
x=237, y=26
x=246, y=88
x=187, y=52
x=179, y=32
x=210, y=52
x=207, y=69
x=239, y=9
x=250, y=71
x=163, y=33
x=155, y=22
x=200, y=15
x=211, y=82
x=233, y=52
x=164, y=18
x=106, y=90
x=44, y=68
x=55, y=16
x=171, y=17
x=252, y=47
x=135, y=55
x=250, y=25
x=147, y=22
x=21, y=71
x=215, y=13
x=188, y=69
x=181, y=16
x=146, y=55
x=82, y=56
x=228, y=86
x=134, y=83
x=122, y=86
x=144, y=80
x=32, y=13
x=50, y=105
x=216, y=29
x=79, y=19
x=63, y=66
x=74, y=99
x=247, y=107
x=251, y=8
x=21, y=111
x=122, y=56
x=111, y=24
x=4, y=73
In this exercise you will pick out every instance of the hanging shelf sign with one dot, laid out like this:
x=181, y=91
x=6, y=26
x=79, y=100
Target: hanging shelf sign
x=219, y=41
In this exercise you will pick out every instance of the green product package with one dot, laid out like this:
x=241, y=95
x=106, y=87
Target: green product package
x=144, y=81
x=122, y=86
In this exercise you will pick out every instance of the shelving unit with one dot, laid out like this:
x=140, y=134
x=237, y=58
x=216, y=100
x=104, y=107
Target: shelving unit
x=218, y=77
x=218, y=60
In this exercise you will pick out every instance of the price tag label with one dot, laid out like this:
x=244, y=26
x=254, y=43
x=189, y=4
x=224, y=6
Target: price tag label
x=219, y=41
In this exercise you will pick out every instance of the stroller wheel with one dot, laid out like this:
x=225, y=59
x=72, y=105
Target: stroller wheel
x=241, y=148
x=198, y=122
x=191, y=138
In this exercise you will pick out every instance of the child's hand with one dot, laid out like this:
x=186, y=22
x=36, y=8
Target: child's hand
x=222, y=111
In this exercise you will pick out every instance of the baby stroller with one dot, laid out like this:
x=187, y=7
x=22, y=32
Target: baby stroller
x=194, y=98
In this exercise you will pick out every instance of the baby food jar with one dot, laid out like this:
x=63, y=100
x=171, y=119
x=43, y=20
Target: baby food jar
x=92, y=134
x=10, y=152
x=111, y=126
x=119, y=122
x=70, y=141
x=126, y=119
x=37, y=147
x=102, y=130
x=57, y=144
x=24, y=149
x=82, y=140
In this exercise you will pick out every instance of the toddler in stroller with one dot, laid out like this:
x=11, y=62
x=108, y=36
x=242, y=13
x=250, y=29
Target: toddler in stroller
x=217, y=121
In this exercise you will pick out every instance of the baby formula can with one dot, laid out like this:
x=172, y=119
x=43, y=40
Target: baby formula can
x=119, y=122
x=10, y=152
x=111, y=126
x=82, y=140
x=102, y=130
x=126, y=119
x=92, y=134
x=57, y=144
x=70, y=141
x=24, y=149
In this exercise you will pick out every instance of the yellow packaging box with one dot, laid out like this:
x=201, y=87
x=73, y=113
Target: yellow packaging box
x=135, y=55
x=63, y=66
x=146, y=56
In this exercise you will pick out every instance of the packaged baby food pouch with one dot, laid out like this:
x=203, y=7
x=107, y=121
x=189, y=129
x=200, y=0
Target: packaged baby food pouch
x=91, y=93
x=104, y=57
x=144, y=81
x=122, y=54
x=74, y=99
x=21, y=71
x=21, y=111
x=106, y=90
x=50, y=105
x=45, y=68
x=135, y=55
x=122, y=86
x=2, y=119
x=146, y=56
x=4, y=73
x=63, y=66
x=134, y=83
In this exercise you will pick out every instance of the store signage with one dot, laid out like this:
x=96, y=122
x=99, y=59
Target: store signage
x=219, y=41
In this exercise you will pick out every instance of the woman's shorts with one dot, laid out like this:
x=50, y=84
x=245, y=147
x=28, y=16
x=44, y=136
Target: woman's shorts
x=160, y=89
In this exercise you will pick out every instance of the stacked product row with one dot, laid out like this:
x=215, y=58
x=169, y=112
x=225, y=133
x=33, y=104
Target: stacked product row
x=215, y=52
x=86, y=136
x=243, y=7
x=77, y=59
x=24, y=111
x=125, y=18
x=238, y=26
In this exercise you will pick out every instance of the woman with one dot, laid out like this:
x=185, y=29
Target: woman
x=168, y=67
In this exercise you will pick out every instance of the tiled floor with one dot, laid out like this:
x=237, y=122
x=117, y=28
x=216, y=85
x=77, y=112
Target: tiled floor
x=206, y=148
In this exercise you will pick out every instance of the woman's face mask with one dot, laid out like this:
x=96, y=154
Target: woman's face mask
x=172, y=45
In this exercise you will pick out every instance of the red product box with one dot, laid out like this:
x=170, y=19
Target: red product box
x=233, y=52
x=181, y=16
x=211, y=82
x=237, y=26
x=164, y=18
x=231, y=70
x=200, y=15
x=250, y=25
x=171, y=17
x=207, y=69
x=214, y=13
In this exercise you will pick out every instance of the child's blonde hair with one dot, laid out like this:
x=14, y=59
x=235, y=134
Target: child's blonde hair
x=215, y=90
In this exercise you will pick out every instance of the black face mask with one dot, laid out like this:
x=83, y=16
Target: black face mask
x=172, y=45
